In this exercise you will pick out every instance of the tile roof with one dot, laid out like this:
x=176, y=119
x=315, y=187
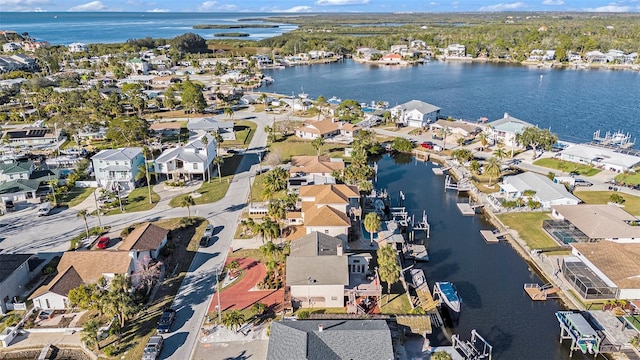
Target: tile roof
x=325, y=216
x=330, y=194
x=600, y=221
x=619, y=262
x=340, y=339
x=144, y=237
x=315, y=164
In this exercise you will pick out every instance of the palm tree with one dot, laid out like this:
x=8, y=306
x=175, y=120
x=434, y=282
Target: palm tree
x=144, y=172
x=389, y=269
x=229, y=112
x=277, y=209
x=444, y=132
x=460, y=141
x=89, y=334
x=218, y=160
x=484, y=139
x=263, y=99
x=83, y=214
x=205, y=142
x=317, y=144
x=270, y=250
x=187, y=201
x=474, y=166
x=259, y=307
x=492, y=168
x=500, y=153
x=233, y=319
x=372, y=224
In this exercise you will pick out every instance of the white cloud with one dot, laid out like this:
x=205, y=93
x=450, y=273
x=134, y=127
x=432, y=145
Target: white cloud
x=433, y=3
x=22, y=5
x=503, y=7
x=297, y=9
x=612, y=7
x=209, y=6
x=156, y=10
x=553, y=2
x=90, y=6
x=340, y=2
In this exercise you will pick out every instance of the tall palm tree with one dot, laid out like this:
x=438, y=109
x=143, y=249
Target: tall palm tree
x=229, y=112
x=144, y=172
x=500, y=153
x=218, y=160
x=492, y=168
x=233, y=319
x=205, y=142
x=444, y=132
x=484, y=139
x=187, y=201
x=83, y=214
x=270, y=250
x=317, y=144
x=372, y=224
x=460, y=141
x=388, y=267
x=89, y=334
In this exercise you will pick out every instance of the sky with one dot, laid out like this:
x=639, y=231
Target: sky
x=307, y=6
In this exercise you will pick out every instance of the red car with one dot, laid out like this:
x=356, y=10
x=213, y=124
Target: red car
x=427, y=145
x=103, y=242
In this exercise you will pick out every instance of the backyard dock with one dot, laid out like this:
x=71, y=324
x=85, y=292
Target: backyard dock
x=540, y=293
x=492, y=237
x=466, y=209
x=417, y=252
x=439, y=170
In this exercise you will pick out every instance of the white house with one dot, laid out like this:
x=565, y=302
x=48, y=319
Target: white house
x=547, y=192
x=327, y=128
x=209, y=124
x=506, y=130
x=81, y=267
x=600, y=157
x=194, y=158
x=415, y=113
x=10, y=47
x=455, y=50
x=31, y=136
x=117, y=166
x=78, y=47
x=328, y=208
x=14, y=170
x=138, y=66
x=144, y=244
x=15, y=273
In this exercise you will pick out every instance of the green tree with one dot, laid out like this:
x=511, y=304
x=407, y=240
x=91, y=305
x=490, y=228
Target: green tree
x=233, y=319
x=535, y=138
x=228, y=112
x=317, y=144
x=192, y=97
x=205, y=142
x=440, y=355
x=388, y=267
x=217, y=161
x=492, y=168
x=145, y=171
x=443, y=132
x=484, y=139
x=372, y=224
x=474, y=166
x=89, y=334
x=500, y=153
x=462, y=155
x=83, y=214
x=259, y=308
x=402, y=145
x=460, y=141
x=274, y=180
x=187, y=201
x=349, y=110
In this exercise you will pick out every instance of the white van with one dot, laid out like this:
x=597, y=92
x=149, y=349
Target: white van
x=44, y=209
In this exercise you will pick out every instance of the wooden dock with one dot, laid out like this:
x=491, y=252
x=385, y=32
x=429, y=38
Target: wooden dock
x=540, y=293
x=425, y=300
x=491, y=237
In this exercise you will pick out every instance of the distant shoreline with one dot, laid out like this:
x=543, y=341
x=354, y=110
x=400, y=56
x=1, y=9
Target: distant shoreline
x=234, y=26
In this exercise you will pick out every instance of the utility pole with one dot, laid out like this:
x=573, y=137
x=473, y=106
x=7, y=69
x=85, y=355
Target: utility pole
x=218, y=270
x=95, y=199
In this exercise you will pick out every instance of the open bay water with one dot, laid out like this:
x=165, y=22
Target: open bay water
x=63, y=28
x=489, y=277
x=572, y=103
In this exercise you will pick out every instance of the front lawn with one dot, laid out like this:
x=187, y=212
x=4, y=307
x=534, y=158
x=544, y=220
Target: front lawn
x=137, y=200
x=292, y=145
x=244, y=131
x=529, y=227
x=629, y=179
x=567, y=166
x=258, y=187
x=75, y=196
x=631, y=203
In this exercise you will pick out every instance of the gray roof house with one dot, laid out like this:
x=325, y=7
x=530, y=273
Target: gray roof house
x=330, y=340
x=185, y=161
x=548, y=193
x=117, y=166
x=210, y=125
x=506, y=129
x=415, y=113
x=16, y=270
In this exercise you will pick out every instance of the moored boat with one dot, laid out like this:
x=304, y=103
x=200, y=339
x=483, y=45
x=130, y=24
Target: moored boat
x=448, y=295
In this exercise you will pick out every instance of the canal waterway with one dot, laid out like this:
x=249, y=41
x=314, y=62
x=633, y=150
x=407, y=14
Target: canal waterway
x=489, y=277
x=572, y=103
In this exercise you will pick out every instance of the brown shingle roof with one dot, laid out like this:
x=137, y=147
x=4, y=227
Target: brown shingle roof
x=600, y=221
x=619, y=262
x=320, y=127
x=66, y=281
x=325, y=216
x=314, y=164
x=330, y=194
x=165, y=126
x=144, y=237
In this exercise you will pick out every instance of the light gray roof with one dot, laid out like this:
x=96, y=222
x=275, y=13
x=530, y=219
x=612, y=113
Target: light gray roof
x=322, y=270
x=599, y=221
x=340, y=339
x=510, y=124
x=546, y=190
x=115, y=168
x=126, y=153
x=315, y=244
x=421, y=106
x=208, y=124
x=187, y=152
x=600, y=154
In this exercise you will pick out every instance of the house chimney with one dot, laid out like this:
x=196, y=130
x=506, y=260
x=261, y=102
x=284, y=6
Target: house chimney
x=506, y=115
x=339, y=250
x=320, y=327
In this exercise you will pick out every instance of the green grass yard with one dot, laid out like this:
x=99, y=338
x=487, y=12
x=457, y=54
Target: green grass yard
x=631, y=203
x=244, y=130
x=566, y=167
x=137, y=200
x=629, y=179
x=529, y=227
x=293, y=146
x=75, y=196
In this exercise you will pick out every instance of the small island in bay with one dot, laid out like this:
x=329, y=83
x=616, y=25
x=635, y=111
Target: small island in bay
x=234, y=26
x=231, y=34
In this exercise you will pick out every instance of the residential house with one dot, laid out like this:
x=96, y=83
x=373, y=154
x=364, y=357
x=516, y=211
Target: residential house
x=320, y=54
x=34, y=45
x=600, y=157
x=138, y=66
x=117, y=167
x=399, y=48
x=455, y=50
x=547, y=192
x=328, y=208
x=458, y=128
x=506, y=130
x=89, y=134
x=193, y=159
x=14, y=170
x=591, y=222
x=78, y=47
x=321, y=274
x=595, y=57
x=391, y=58
x=418, y=44
x=367, y=53
x=603, y=270
x=160, y=62
x=31, y=136
x=330, y=339
x=326, y=129
x=262, y=60
x=20, y=181
x=165, y=128
x=16, y=271
x=11, y=47
x=415, y=113
x=306, y=170
x=81, y=267
x=144, y=244
x=164, y=80
x=211, y=125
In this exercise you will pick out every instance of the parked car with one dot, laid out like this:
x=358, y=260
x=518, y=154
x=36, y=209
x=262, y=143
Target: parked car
x=167, y=319
x=427, y=145
x=9, y=205
x=208, y=232
x=44, y=209
x=46, y=314
x=581, y=182
x=153, y=348
x=103, y=242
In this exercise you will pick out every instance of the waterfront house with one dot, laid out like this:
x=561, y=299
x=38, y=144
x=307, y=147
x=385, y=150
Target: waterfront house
x=603, y=270
x=593, y=222
x=321, y=274
x=455, y=50
x=391, y=58
x=418, y=45
x=211, y=125
x=600, y=157
x=191, y=160
x=330, y=339
x=16, y=271
x=506, y=130
x=327, y=128
x=328, y=208
x=596, y=57
x=78, y=47
x=458, y=128
x=547, y=192
x=81, y=267
x=415, y=113
x=114, y=167
x=367, y=53
x=14, y=170
x=31, y=136
x=313, y=169
x=11, y=47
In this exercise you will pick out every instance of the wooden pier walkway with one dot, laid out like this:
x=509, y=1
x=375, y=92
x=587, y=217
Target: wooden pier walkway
x=466, y=209
x=540, y=293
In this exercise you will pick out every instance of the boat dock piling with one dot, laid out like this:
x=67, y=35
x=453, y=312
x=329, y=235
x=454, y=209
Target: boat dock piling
x=422, y=225
x=540, y=293
x=460, y=186
x=574, y=327
x=475, y=349
x=439, y=170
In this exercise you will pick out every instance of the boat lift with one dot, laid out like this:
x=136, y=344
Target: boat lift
x=475, y=349
x=574, y=327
